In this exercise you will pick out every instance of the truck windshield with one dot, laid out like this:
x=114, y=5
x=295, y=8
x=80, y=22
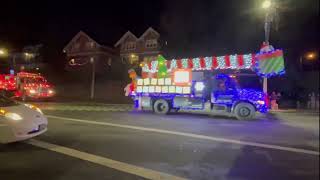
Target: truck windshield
x=248, y=82
x=5, y=102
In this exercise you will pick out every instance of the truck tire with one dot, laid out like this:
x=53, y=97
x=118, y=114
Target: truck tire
x=161, y=106
x=244, y=111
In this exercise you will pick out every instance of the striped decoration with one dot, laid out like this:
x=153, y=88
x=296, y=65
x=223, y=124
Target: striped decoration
x=245, y=61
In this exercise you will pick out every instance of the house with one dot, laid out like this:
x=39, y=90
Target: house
x=83, y=51
x=134, y=50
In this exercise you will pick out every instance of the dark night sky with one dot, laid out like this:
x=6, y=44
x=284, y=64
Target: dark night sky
x=192, y=28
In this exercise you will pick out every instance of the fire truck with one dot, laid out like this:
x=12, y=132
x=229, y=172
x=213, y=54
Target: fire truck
x=25, y=86
x=206, y=84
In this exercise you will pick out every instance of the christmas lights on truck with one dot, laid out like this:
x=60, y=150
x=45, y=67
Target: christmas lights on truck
x=205, y=84
x=25, y=86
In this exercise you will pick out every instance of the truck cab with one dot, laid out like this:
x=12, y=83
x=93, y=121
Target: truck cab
x=227, y=96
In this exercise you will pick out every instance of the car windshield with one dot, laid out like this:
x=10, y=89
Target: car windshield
x=5, y=102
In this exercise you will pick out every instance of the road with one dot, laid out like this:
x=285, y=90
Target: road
x=99, y=142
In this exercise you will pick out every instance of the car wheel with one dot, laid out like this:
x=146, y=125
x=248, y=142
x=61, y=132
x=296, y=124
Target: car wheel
x=244, y=111
x=161, y=107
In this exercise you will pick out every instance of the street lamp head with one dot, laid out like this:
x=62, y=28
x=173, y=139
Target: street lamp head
x=311, y=56
x=3, y=52
x=266, y=4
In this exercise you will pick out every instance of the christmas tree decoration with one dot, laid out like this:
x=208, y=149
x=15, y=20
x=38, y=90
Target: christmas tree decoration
x=162, y=67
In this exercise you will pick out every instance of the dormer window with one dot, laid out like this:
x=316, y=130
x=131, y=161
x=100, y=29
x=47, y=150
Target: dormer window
x=130, y=46
x=90, y=44
x=151, y=43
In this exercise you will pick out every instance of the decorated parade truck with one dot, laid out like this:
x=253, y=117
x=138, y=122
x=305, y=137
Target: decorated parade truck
x=206, y=84
x=25, y=86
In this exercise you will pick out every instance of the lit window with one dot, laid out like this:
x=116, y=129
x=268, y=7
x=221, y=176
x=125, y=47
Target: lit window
x=151, y=43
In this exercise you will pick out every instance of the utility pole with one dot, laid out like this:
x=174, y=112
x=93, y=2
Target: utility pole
x=92, y=77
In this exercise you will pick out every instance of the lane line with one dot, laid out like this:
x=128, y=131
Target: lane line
x=124, y=167
x=3, y=125
x=198, y=136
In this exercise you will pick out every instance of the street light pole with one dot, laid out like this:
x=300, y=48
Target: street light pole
x=92, y=77
x=267, y=5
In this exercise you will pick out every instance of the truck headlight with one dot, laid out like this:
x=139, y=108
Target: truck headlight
x=13, y=116
x=51, y=91
x=261, y=102
x=199, y=86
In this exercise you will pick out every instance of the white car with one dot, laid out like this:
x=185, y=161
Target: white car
x=20, y=121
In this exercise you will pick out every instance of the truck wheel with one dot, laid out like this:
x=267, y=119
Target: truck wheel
x=244, y=111
x=161, y=107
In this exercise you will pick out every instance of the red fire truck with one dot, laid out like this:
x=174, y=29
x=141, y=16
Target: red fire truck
x=26, y=86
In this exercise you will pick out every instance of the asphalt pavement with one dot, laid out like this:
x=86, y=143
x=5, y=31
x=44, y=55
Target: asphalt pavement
x=110, y=144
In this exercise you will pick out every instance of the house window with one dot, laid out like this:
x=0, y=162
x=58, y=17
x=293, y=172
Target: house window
x=151, y=43
x=130, y=46
x=133, y=59
x=90, y=44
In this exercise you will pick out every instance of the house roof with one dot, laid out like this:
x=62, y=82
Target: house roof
x=81, y=33
x=150, y=29
x=127, y=34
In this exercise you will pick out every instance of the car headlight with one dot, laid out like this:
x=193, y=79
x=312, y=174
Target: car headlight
x=34, y=108
x=32, y=91
x=13, y=116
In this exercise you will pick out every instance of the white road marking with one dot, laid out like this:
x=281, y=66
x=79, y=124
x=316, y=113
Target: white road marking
x=211, y=138
x=124, y=167
x=2, y=125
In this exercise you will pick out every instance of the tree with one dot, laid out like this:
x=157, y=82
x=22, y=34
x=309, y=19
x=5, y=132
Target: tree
x=162, y=65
